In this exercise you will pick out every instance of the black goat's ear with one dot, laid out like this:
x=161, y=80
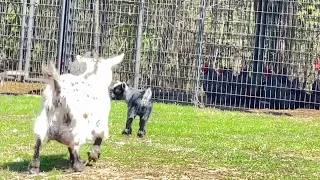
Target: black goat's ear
x=123, y=85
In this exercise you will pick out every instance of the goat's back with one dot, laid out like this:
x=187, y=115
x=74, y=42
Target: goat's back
x=87, y=108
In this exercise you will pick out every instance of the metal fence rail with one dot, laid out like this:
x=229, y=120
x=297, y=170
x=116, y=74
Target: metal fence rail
x=239, y=54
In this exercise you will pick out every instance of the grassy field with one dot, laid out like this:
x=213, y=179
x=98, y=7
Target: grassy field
x=182, y=142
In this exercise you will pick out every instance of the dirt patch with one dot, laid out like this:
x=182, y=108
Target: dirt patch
x=111, y=172
x=301, y=113
x=21, y=88
x=308, y=156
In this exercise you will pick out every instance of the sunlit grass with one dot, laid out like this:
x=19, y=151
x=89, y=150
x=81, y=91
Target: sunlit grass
x=205, y=141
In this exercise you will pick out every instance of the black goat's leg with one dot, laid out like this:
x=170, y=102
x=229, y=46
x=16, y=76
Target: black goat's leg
x=34, y=166
x=94, y=153
x=131, y=116
x=142, y=127
x=128, y=129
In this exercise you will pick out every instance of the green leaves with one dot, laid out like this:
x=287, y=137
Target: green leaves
x=9, y=25
x=309, y=13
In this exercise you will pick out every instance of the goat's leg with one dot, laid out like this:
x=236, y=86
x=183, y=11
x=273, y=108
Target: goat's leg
x=94, y=153
x=71, y=156
x=34, y=166
x=68, y=139
x=101, y=134
x=131, y=116
x=76, y=162
x=128, y=129
x=40, y=131
x=142, y=126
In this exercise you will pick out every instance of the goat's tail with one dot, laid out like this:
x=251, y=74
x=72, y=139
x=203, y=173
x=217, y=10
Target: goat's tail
x=146, y=97
x=51, y=76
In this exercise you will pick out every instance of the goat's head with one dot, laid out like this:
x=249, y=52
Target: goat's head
x=101, y=67
x=118, y=90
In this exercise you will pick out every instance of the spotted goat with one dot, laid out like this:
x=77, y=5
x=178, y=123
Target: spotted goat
x=75, y=109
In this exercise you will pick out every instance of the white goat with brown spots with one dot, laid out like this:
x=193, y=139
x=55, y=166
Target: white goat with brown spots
x=75, y=109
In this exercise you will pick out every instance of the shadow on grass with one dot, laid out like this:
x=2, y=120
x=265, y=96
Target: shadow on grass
x=277, y=113
x=273, y=112
x=47, y=163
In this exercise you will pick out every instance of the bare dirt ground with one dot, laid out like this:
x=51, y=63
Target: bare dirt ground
x=300, y=113
x=102, y=171
x=20, y=87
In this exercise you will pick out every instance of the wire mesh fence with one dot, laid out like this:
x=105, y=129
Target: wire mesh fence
x=266, y=55
x=239, y=54
x=28, y=37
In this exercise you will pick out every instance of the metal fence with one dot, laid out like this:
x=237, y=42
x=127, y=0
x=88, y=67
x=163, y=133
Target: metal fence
x=236, y=53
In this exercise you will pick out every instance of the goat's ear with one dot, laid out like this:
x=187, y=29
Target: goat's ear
x=113, y=61
x=117, y=84
x=124, y=85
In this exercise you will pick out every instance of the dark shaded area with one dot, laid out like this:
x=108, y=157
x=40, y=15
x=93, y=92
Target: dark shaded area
x=270, y=112
x=35, y=92
x=276, y=91
x=11, y=94
x=47, y=163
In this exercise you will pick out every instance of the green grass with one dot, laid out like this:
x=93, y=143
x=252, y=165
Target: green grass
x=181, y=141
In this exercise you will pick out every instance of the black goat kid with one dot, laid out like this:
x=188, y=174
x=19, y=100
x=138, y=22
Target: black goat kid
x=139, y=103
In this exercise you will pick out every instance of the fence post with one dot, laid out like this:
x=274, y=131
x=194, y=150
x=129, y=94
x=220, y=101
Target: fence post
x=68, y=37
x=199, y=47
x=96, y=27
x=138, y=46
x=259, y=41
x=29, y=38
x=61, y=35
x=23, y=25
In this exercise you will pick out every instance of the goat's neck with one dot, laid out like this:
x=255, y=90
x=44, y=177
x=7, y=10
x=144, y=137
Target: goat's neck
x=128, y=94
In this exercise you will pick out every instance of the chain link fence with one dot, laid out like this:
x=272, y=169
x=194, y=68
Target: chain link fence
x=238, y=54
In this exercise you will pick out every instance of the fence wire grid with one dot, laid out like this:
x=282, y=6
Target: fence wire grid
x=237, y=53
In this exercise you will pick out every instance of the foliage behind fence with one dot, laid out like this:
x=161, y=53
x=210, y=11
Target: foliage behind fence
x=173, y=39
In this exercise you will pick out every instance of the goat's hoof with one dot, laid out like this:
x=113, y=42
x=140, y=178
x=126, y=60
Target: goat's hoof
x=93, y=155
x=34, y=170
x=78, y=167
x=34, y=167
x=127, y=132
x=141, y=134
